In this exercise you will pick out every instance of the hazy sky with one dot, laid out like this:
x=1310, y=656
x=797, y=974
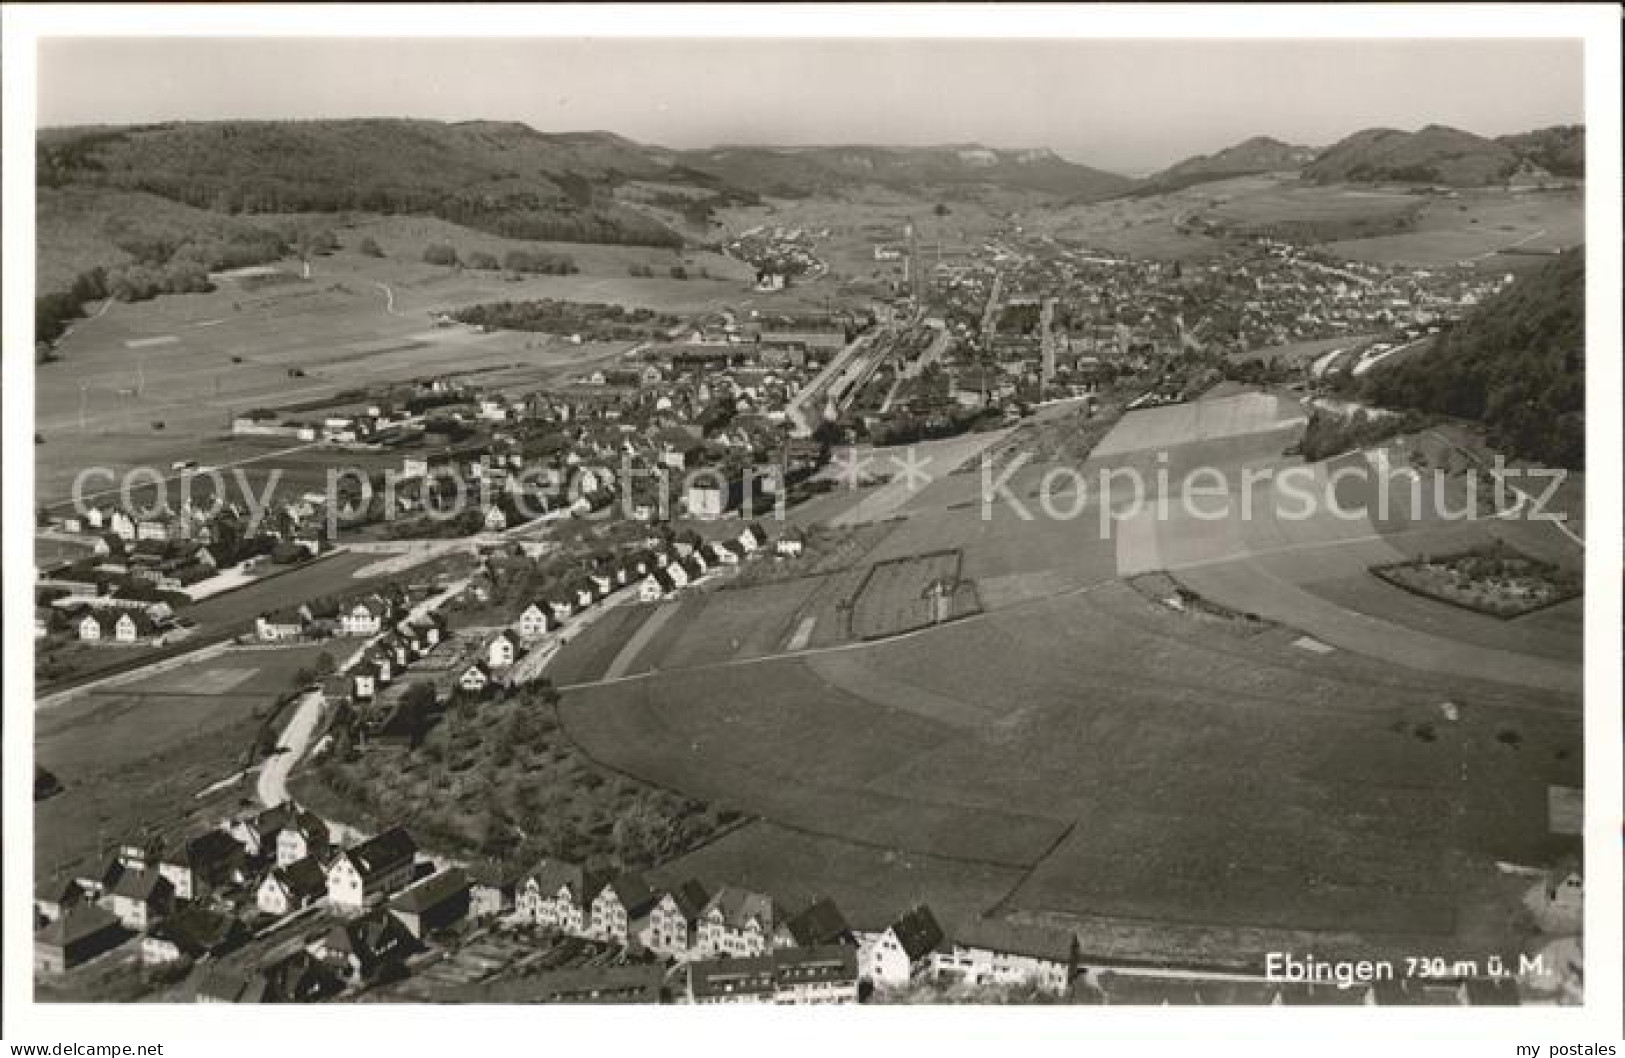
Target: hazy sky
x=1132, y=106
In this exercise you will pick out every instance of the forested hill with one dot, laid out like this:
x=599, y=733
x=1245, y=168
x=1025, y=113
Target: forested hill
x=504, y=178
x=1515, y=363
x=1432, y=155
x=1560, y=150
x=1260, y=154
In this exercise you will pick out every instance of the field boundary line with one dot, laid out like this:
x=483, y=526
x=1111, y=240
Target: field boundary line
x=1002, y=903
x=860, y=644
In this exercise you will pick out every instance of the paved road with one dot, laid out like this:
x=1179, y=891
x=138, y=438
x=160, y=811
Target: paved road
x=271, y=787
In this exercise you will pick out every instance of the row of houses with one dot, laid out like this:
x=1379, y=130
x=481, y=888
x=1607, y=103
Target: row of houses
x=93, y=624
x=730, y=938
x=362, y=616
x=198, y=896
x=210, y=528
x=655, y=571
x=685, y=942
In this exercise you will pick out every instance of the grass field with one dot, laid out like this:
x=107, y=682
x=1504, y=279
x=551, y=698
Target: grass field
x=1132, y=763
x=586, y=656
x=783, y=741
x=136, y=756
x=1107, y=711
x=1473, y=226
x=1307, y=209
x=734, y=623
x=867, y=883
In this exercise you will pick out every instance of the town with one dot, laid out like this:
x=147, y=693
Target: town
x=476, y=564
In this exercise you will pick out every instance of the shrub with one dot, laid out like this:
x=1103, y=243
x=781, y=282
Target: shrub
x=440, y=254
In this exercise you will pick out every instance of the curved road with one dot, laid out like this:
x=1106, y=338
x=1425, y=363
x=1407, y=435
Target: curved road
x=271, y=786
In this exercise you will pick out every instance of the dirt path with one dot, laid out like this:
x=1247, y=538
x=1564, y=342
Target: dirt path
x=634, y=646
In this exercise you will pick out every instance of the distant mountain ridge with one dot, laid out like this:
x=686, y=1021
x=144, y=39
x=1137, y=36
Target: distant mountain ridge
x=1260, y=154
x=501, y=177
x=803, y=171
x=507, y=178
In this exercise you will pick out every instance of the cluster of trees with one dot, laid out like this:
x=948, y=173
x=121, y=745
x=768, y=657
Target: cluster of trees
x=588, y=319
x=531, y=262
x=320, y=667
x=700, y=210
x=536, y=262
x=528, y=218
x=1333, y=433
x=497, y=776
x=53, y=312
x=676, y=271
x=1516, y=364
x=465, y=523
x=165, y=262
x=1258, y=371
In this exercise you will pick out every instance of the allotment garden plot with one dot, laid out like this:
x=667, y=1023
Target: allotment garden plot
x=900, y=595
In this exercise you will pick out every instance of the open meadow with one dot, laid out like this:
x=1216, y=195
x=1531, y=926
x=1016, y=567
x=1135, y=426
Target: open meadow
x=1325, y=789
x=1472, y=226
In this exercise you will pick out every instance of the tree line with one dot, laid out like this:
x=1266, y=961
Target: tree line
x=1516, y=364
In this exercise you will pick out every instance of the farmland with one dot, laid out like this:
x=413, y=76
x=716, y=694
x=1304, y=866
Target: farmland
x=138, y=755
x=798, y=867
x=1358, y=224
x=903, y=594
x=1288, y=209
x=1473, y=225
x=1084, y=753
x=1092, y=696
